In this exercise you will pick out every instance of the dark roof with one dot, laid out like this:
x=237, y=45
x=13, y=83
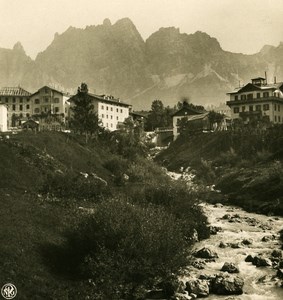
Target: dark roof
x=135, y=114
x=251, y=87
x=105, y=99
x=258, y=78
x=14, y=91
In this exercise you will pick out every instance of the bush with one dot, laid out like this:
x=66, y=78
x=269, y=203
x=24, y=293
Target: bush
x=75, y=186
x=125, y=248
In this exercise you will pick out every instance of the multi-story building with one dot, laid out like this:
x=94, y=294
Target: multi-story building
x=110, y=111
x=257, y=99
x=18, y=103
x=50, y=107
x=3, y=117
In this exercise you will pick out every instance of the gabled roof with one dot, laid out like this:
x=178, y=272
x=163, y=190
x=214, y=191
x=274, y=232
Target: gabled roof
x=14, y=91
x=51, y=88
x=197, y=117
x=186, y=110
x=104, y=98
x=252, y=87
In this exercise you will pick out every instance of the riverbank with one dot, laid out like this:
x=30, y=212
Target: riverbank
x=245, y=167
x=250, y=246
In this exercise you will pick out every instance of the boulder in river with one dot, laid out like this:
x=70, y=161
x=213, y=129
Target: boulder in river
x=268, y=238
x=226, y=284
x=247, y=242
x=276, y=253
x=249, y=258
x=230, y=268
x=198, y=287
x=206, y=253
x=199, y=264
x=214, y=229
x=260, y=261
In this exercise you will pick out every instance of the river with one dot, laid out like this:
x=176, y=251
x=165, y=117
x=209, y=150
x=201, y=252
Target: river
x=260, y=283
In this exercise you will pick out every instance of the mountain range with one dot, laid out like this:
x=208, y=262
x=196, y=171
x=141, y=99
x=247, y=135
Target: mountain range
x=114, y=59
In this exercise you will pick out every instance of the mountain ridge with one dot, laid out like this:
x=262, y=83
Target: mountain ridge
x=115, y=59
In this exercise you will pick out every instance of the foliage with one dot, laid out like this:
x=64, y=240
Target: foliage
x=84, y=119
x=215, y=117
x=125, y=247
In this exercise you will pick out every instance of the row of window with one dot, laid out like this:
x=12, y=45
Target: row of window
x=109, y=125
x=277, y=119
x=46, y=100
x=251, y=96
x=263, y=107
x=111, y=117
x=21, y=107
x=111, y=108
x=14, y=100
x=37, y=110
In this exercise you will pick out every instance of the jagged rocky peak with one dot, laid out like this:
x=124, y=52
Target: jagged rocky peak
x=18, y=47
x=202, y=38
x=107, y=22
x=266, y=48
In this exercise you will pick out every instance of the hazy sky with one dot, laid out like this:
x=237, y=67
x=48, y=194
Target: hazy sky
x=239, y=25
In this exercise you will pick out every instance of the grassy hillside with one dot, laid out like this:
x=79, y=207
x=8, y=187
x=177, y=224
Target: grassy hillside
x=246, y=166
x=65, y=235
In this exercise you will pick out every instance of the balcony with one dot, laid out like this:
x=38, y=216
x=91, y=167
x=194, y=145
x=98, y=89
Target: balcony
x=255, y=100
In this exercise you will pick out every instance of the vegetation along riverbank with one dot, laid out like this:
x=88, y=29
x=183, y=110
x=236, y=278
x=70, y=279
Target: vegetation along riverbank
x=95, y=220
x=244, y=165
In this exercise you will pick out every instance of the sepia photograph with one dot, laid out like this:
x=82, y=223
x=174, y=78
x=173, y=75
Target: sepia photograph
x=141, y=149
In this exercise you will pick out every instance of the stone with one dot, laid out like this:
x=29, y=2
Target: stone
x=236, y=245
x=249, y=258
x=199, y=264
x=279, y=273
x=262, y=261
x=181, y=296
x=276, y=253
x=156, y=294
x=218, y=205
x=198, y=287
x=226, y=284
x=268, y=238
x=230, y=268
x=223, y=245
x=206, y=253
x=214, y=229
x=247, y=242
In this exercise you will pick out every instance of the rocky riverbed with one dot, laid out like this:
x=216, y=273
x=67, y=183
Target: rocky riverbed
x=241, y=260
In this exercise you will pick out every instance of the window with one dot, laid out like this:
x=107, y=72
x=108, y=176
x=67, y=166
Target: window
x=14, y=100
x=251, y=108
x=243, y=97
x=46, y=90
x=111, y=125
x=56, y=109
x=46, y=99
x=36, y=110
x=117, y=110
x=14, y=107
x=258, y=107
x=36, y=101
x=21, y=107
x=102, y=106
x=265, y=106
x=258, y=95
x=6, y=100
x=27, y=99
x=279, y=119
x=111, y=108
x=21, y=100
x=121, y=110
x=56, y=100
x=278, y=107
x=27, y=115
x=236, y=110
x=106, y=124
x=243, y=108
x=275, y=106
x=106, y=116
x=236, y=97
x=106, y=107
x=111, y=117
x=250, y=96
x=265, y=94
x=117, y=118
x=275, y=118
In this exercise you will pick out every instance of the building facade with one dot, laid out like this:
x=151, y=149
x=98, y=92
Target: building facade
x=257, y=99
x=18, y=104
x=3, y=118
x=111, y=112
x=50, y=107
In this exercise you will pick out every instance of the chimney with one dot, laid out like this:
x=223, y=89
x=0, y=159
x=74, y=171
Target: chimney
x=274, y=79
x=265, y=77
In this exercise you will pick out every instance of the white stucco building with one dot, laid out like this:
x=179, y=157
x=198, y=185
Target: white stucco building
x=3, y=117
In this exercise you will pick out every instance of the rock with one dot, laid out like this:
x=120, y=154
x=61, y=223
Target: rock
x=226, y=217
x=218, y=205
x=206, y=277
x=193, y=296
x=180, y=296
x=247, y=242
x=236, y=245
x=262, y=261
x=206, y=253
x=279, y=273
x=276, y=253
x=249, y=258
x=268, y=238
x=226, y=284
x=198, y=287
x=199, y=264
x=223, y=245
x=230, y=268
x=194, y=237
x=214, y=229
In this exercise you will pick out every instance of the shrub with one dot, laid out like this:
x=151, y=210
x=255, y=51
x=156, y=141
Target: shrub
x=124, y=248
